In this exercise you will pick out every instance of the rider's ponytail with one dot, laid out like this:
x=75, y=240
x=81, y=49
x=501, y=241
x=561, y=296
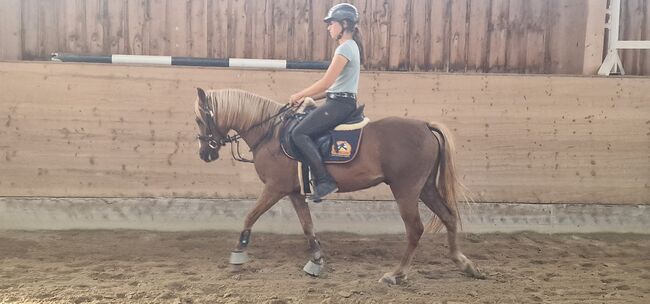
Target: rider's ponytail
x=356, y=36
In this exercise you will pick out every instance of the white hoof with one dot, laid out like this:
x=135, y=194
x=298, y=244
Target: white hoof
x=391, y=279
x=314, y=268
x=238, y=257
x=467, y=267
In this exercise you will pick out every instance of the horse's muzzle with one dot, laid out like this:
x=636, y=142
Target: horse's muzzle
x=208, y=155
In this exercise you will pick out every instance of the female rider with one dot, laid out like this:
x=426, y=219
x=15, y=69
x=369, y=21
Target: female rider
x=339, y=85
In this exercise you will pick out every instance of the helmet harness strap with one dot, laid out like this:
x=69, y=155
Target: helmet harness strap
x=340, y=35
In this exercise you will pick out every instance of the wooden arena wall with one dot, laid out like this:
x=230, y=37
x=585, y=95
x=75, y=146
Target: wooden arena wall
x=91, y=130
x=514, y=36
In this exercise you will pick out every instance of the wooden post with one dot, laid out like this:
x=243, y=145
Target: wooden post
x=594, y=36
x=10, y=30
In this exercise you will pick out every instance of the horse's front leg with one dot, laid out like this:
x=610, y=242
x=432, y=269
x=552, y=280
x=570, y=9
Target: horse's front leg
x=316, y=264
x=268, y=198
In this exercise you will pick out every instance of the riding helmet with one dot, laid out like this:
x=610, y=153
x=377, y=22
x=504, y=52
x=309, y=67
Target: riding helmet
x=342, y=11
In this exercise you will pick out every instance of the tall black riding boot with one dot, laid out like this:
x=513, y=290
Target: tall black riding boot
x=325, y=183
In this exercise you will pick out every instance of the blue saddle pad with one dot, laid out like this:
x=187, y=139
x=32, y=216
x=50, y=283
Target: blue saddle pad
x=335, y=146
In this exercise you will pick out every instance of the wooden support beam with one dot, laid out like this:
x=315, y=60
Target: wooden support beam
x=594, y=37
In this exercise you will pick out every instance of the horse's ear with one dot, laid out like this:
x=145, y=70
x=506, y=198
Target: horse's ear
x=202, y=96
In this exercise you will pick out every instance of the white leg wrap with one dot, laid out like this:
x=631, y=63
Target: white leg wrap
x=314, y=268
x=238, y=257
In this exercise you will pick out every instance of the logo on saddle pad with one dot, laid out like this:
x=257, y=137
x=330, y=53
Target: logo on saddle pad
x=341, y=148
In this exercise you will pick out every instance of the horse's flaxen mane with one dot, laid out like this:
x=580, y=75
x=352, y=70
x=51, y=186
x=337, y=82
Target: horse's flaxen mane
x=241, y=110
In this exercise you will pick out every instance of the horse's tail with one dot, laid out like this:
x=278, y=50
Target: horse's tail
x=448, y=185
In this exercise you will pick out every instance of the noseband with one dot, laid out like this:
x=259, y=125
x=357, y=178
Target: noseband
x=219, y=140
x=209, y=138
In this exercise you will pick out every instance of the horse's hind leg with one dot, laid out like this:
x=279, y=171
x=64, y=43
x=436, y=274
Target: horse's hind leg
x=408, y=209
x=433, y=200
x=316, y=263
x=268, y=198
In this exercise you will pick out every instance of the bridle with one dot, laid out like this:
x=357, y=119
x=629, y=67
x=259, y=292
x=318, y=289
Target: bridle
x=214, y=139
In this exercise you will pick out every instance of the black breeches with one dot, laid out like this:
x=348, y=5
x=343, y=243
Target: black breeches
x=323, y=119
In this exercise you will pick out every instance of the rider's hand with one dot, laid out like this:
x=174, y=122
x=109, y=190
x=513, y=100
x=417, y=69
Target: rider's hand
x=296, y=99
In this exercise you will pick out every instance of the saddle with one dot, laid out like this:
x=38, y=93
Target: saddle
x=339, y=145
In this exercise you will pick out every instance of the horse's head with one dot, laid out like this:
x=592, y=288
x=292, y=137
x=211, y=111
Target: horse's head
x=210, y=137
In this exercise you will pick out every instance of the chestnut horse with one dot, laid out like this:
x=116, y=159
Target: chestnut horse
x=413, y=157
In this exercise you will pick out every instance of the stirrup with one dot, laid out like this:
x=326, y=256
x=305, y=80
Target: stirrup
x=314, y=198
x=317, y=196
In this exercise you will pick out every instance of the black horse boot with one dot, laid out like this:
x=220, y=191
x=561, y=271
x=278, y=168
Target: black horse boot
x=325, y=183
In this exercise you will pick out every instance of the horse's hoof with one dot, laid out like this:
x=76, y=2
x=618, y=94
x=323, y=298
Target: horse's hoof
x=469, y=269
x=473, y=272
x=391, y=279
x=238, y=257
x=314, y=268
x=234, y=268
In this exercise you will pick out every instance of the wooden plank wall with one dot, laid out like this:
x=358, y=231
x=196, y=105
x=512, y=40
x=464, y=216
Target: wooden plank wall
x=514, y=36
x=82, y=130
x=10, y=35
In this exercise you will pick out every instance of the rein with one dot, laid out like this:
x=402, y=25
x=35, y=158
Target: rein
x=223, y=140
